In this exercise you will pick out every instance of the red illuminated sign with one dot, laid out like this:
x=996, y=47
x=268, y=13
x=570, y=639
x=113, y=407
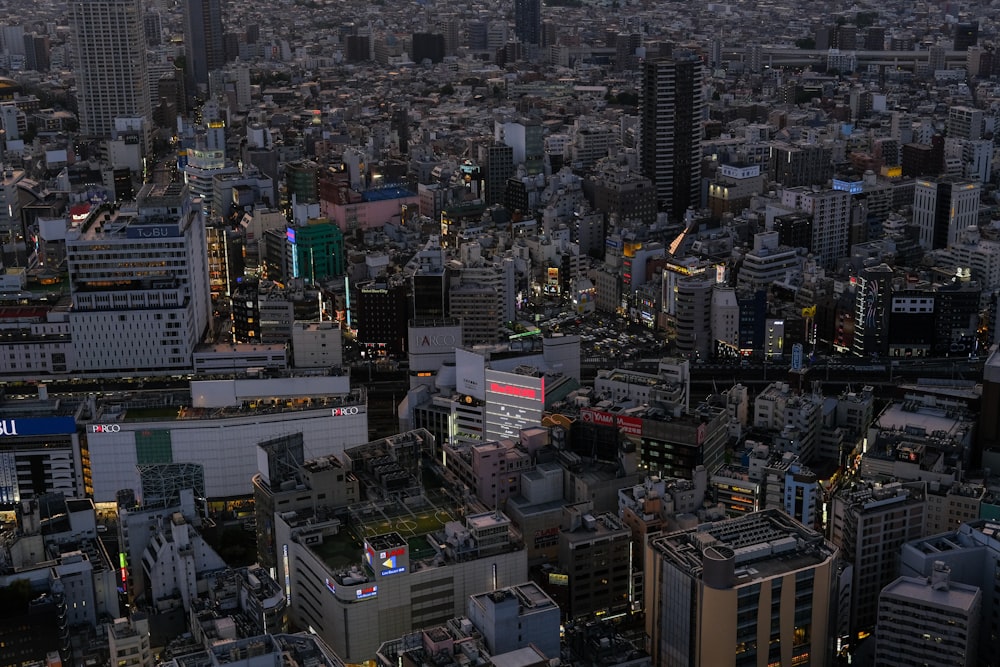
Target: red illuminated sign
x=511, y=390
x=630, y=425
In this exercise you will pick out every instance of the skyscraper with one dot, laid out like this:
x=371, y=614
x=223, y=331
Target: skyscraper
x=528, y=21
x=110, y=63
x=203, y=40
x=670, y=152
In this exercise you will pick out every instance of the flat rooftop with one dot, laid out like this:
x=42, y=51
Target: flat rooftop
x=766, y=544
x=956, y=596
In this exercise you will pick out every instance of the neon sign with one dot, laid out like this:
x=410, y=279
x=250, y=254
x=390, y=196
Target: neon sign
x=365, y=593
x=511, y=390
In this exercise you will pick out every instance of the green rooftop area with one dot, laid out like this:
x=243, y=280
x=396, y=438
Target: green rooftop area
x=371, y=519
x=159, y=412
x=340, y=551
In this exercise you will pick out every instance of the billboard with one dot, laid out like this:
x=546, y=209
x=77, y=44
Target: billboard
x=152, y=231
x=22, y=426
x=470, y=371
x=630, y=425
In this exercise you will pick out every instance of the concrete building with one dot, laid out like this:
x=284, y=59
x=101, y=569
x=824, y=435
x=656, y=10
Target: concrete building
x=768, y=262
x=670, y=150
x=693, y=315
x=394, y=590
x=317, y=345
x=830, y=213
x=746, y=591
x=139, y=283
x=943, y=208
x=972, y=552
x=110, y=65
x=49, y=445
x=869, y=523
x=228, y=417
x=128, y=642
x=516, y=616
x=596, y=554
x=287, y=482
x=289, y=650
x=928, y=621
x=176, y=563
x=203, y=46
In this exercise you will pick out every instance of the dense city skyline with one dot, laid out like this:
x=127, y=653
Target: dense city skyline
x=618, y=333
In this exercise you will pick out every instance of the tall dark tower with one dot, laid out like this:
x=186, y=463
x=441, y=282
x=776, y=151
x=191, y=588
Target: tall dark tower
x=204, y=46
x=670, y=151
x=528, y=21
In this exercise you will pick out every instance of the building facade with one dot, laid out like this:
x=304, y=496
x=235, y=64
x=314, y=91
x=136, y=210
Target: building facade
x=670, y=152
x=740, y=592
x=110, y=63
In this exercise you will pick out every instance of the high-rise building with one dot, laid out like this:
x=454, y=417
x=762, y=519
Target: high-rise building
x=943, y=208
x=497, y=160
x=829, y=211
x=596, y=551
x=966, y=35
x=928, y=621
x=872, y=306
x=670, y=152
x=752, y=590
x=36, y=52
x=870, y=523
x=139, y=283
x=203, y=43
x=110, y=64
x=972, y=552
x=528, y=21
x=428, y=46
x=965, y=122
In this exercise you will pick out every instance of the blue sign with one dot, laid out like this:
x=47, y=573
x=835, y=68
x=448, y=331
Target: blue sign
x=797, y=357
x=152, y=231
x=37, y=426
x=367, y=592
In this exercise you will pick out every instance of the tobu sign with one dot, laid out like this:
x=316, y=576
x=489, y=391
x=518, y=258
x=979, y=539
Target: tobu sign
x=152, y=231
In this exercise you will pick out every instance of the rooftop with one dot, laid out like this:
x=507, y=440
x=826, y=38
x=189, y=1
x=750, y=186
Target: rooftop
x=764, y=544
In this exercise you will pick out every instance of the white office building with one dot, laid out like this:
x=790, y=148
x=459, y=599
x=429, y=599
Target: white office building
x=139, y=284
x=220, y=432
x=930, y=621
